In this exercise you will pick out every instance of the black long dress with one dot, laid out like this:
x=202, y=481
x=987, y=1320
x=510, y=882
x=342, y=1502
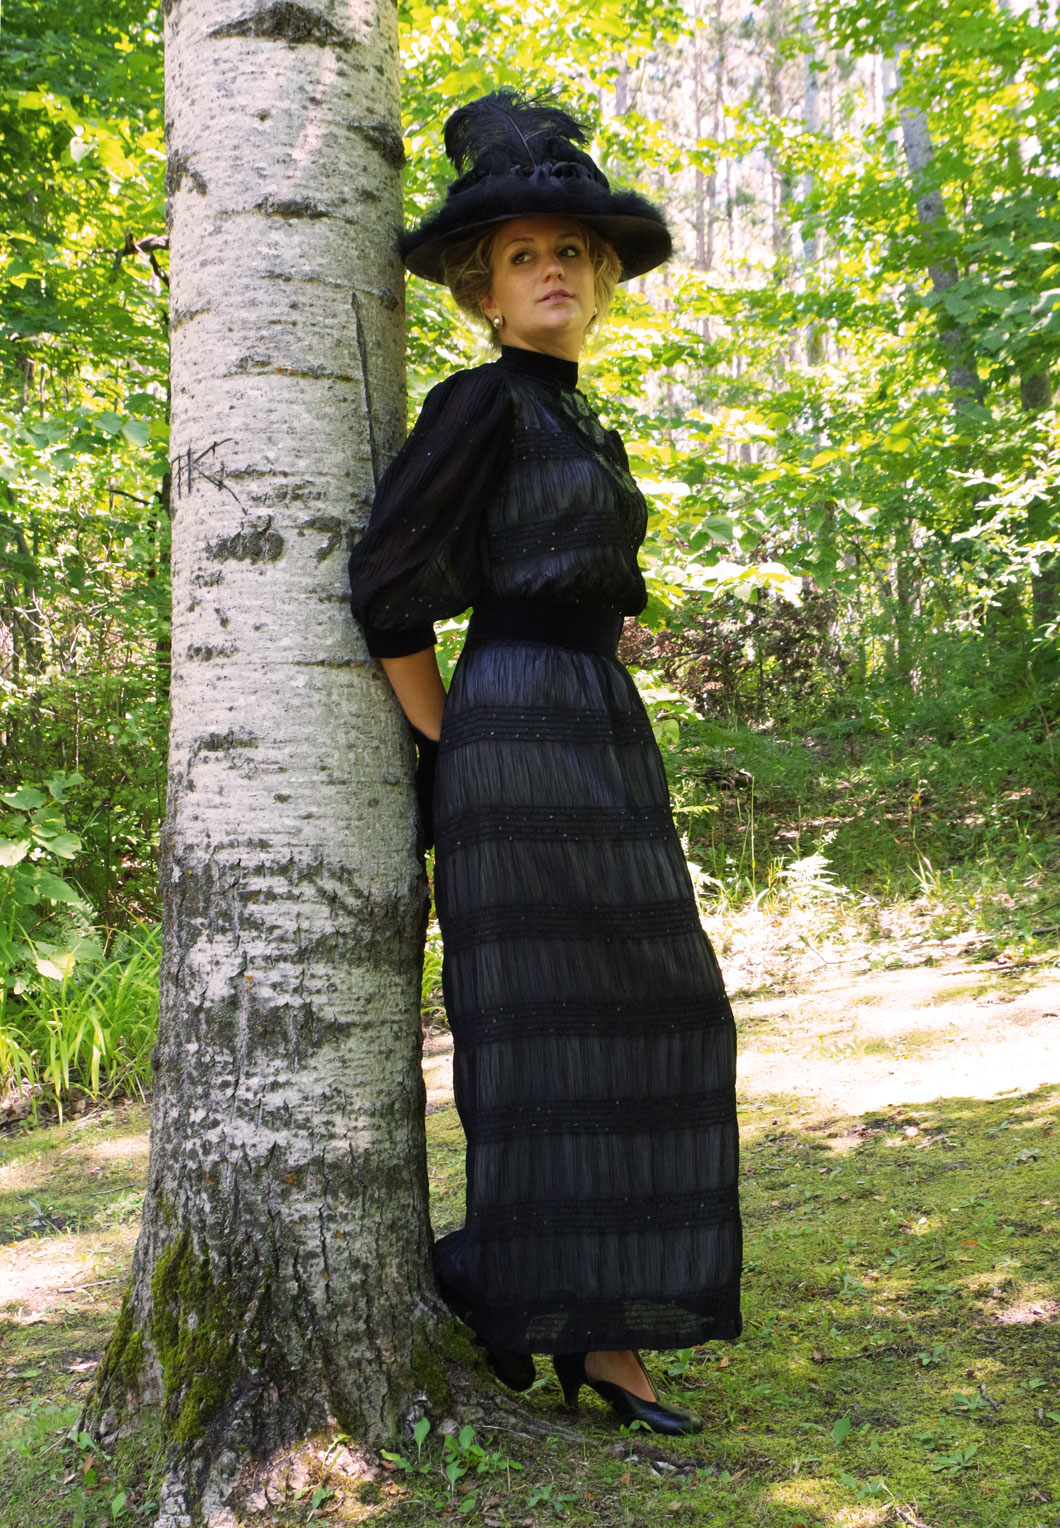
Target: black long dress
x=594, y=1047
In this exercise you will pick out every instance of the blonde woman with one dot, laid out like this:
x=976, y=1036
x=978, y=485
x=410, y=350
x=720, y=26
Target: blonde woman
x=594, y=1047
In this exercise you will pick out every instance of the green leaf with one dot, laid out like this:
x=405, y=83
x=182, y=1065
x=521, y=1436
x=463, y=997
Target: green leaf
x=58, y=967
x=58, y=785
x=54, y=888
x=12, y=851
x=840, y=1429
x=65, y=845
x=138, y=431
x=25, y=798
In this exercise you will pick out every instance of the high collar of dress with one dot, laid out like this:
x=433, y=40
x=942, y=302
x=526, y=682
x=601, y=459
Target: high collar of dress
x=545, y=368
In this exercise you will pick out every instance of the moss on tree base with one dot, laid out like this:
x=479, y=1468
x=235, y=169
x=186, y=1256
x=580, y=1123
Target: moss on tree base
x=193, y=1327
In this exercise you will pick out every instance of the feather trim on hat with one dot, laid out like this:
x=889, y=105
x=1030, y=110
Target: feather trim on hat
x=518, y=157
x=508, y=134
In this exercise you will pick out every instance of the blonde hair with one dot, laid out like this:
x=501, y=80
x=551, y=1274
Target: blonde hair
x=469, y=274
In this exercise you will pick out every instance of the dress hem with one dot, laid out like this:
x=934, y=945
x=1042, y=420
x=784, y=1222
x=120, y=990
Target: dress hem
x=715, y=1317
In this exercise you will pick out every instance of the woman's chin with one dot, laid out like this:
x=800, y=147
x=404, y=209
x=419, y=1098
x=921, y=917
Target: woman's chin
x=564, y=329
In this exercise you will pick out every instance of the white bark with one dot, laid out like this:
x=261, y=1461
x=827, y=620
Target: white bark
x=811, y=116
x=961, y=371
x=287, y=1185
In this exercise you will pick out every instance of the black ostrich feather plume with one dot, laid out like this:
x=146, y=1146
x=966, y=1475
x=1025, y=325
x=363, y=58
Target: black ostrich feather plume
x=518, y=156
x=506, y=133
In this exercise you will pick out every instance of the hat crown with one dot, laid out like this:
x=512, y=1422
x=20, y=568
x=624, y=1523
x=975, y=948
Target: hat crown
x=505, y=133
x=523, y=157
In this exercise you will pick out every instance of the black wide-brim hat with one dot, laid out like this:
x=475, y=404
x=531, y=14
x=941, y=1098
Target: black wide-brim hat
x=518, y=158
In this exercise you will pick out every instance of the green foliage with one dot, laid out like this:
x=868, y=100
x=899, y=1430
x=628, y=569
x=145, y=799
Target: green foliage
x=87, y=1031
x=84, y=429
x=45, y=925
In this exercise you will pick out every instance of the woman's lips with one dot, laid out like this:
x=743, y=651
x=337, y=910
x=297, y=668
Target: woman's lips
x=554, y=296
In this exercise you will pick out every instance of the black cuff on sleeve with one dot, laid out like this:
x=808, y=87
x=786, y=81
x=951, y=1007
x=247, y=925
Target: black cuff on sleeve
x=398, y=644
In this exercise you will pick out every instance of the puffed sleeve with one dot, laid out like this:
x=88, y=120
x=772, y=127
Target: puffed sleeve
x=420, y=560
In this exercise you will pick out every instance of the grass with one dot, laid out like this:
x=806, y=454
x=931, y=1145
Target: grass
x=963, y=835
x=88, y=1034
x=900, y=1361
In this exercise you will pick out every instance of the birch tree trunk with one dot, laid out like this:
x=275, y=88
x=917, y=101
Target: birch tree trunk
x=961, y=371
x=811, y=116
x=282, y=1270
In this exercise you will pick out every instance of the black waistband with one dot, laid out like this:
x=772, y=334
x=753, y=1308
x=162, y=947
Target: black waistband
x=515, y=619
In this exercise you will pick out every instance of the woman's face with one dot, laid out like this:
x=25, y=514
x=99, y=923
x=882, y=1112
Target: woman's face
x=542, y=287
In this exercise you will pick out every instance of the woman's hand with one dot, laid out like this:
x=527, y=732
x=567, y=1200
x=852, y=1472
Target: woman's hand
x=421, y=694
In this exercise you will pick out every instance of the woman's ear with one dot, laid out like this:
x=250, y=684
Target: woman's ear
x=488, y=307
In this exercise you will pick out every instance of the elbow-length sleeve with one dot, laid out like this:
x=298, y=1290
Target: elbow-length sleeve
x=420, y=560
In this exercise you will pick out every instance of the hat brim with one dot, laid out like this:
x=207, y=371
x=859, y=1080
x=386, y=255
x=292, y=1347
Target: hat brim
x=635, y=230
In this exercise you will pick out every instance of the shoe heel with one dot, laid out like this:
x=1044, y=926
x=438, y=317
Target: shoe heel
x=570, y=1371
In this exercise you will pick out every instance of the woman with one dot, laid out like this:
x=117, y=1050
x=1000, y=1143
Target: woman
x=594, y=1048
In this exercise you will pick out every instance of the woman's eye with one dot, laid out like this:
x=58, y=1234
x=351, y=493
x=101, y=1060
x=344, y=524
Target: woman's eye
x=570, y=250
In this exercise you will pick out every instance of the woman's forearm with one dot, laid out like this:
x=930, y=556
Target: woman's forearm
x=418, y=686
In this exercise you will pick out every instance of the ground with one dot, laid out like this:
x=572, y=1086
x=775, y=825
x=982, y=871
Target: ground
x=900, y=1362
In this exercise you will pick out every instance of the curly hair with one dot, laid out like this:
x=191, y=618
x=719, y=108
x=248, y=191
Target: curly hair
x=469, y=274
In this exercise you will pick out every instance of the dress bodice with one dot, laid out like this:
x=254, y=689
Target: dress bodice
x=508, y=486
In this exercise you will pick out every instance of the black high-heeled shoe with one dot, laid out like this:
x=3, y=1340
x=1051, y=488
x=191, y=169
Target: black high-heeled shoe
x=516, y=1370
x=570, y=1371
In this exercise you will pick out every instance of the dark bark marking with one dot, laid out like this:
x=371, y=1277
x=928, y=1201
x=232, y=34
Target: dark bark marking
x=254, y=361
x=330, y=526
x=362, y=352
x=387, y=296
x=180, y=316
x=222, y=742
x=178, y=169
x=295, y=207
x=257, y=545
x=202, y=652
x=386, y=142
x=285, y=22
x=187, y=466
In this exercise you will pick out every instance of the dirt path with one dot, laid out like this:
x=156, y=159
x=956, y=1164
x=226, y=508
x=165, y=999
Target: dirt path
x=849, y=1041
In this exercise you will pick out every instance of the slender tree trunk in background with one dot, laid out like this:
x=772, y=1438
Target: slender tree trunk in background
x=811, y=116
x=622, y=90
x=1036, y=394
x=706, y=185
x=961, y=371
x=717, y=130
x=906, y=591
x=701, y=180
x=777, y=24
x=282, y=1270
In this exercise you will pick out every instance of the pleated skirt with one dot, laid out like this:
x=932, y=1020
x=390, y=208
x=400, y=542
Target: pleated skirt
x=594, y=1046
